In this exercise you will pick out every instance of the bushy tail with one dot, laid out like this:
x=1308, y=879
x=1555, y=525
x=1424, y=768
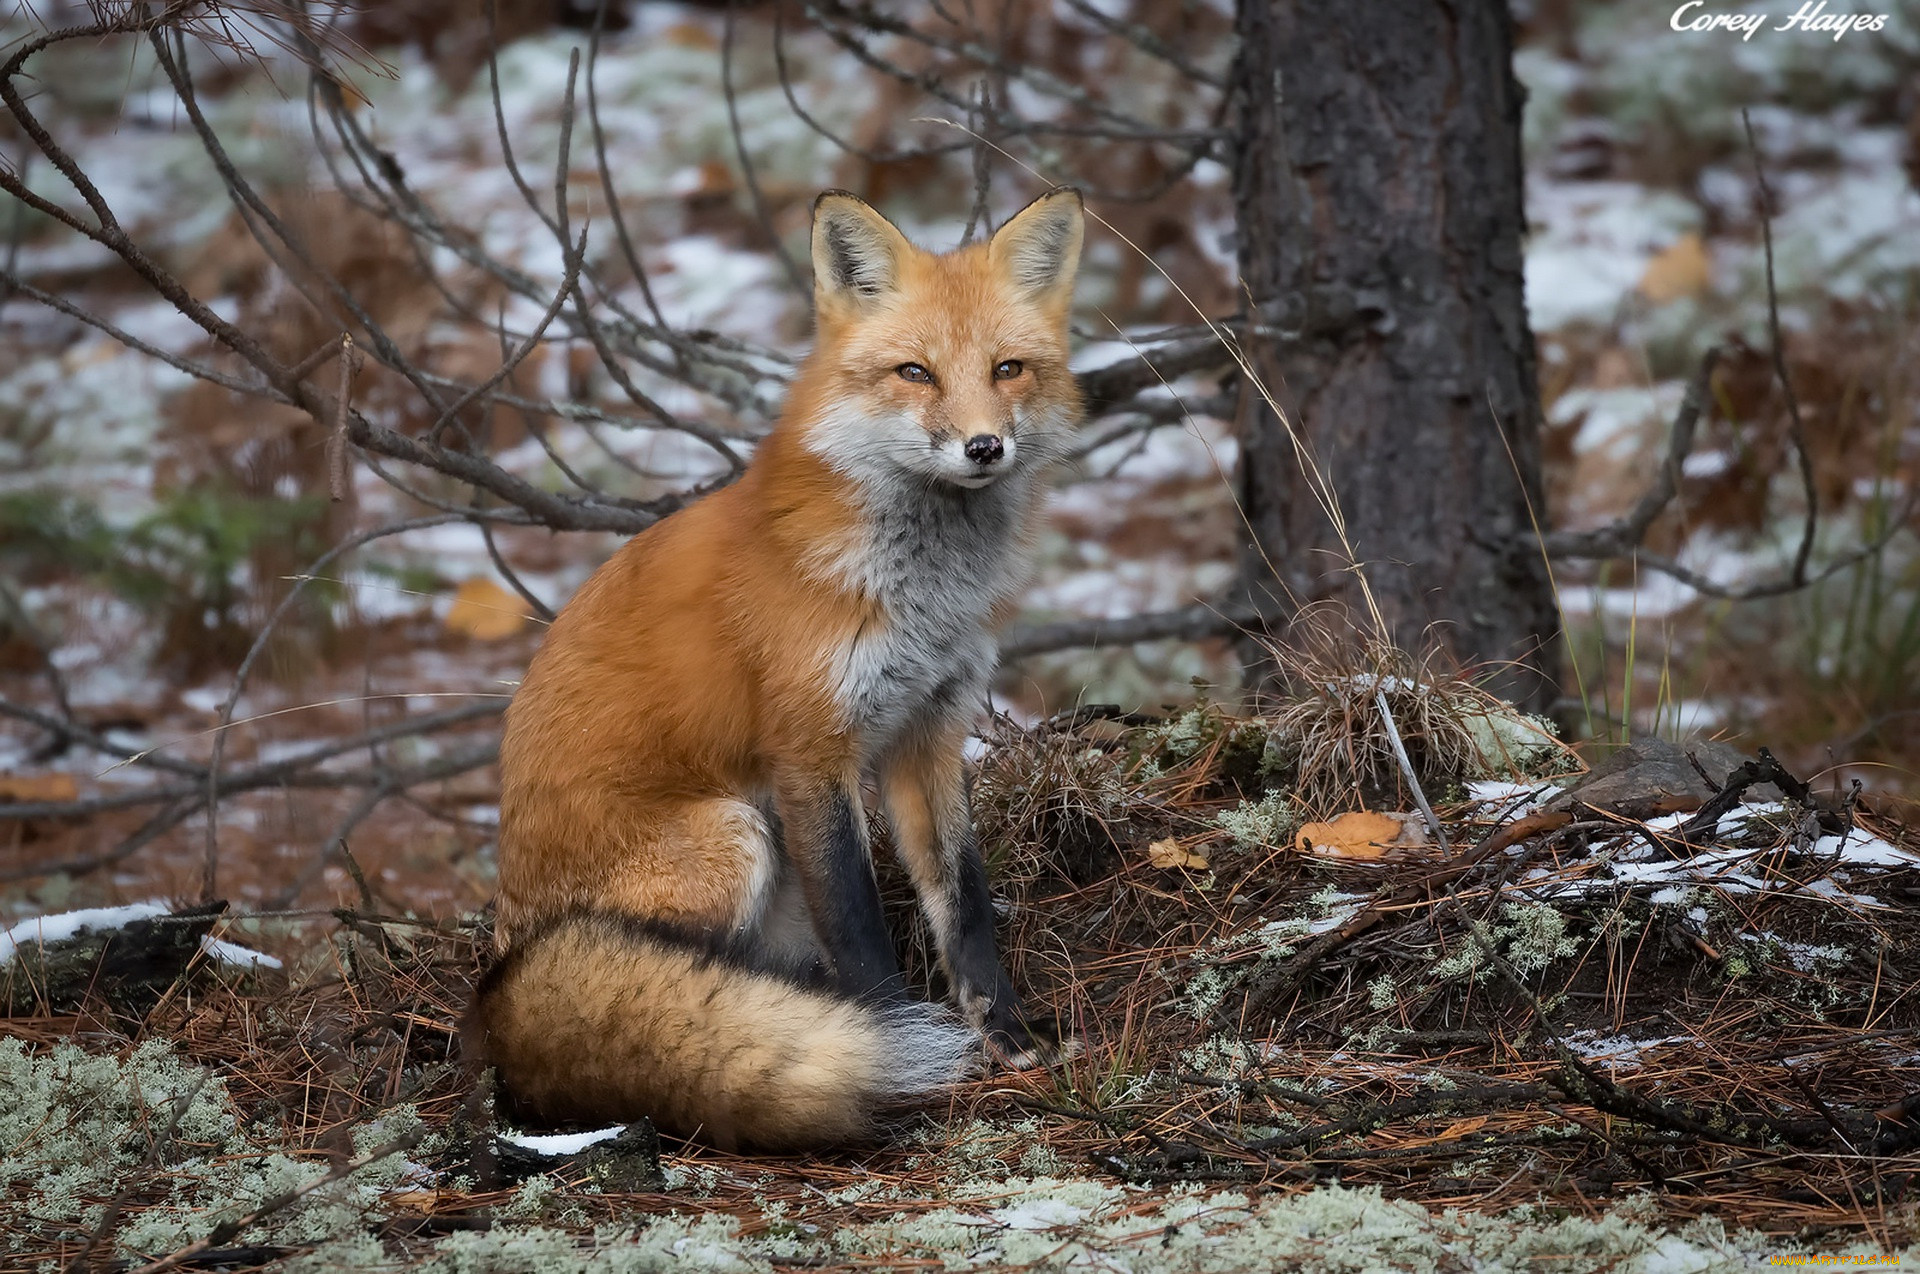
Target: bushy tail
x=600, y=1018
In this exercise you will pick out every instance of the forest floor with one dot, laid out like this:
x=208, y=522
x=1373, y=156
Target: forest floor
x=1621, y=1021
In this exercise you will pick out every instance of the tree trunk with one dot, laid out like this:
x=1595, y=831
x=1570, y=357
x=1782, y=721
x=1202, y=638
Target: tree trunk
x=1378, y=190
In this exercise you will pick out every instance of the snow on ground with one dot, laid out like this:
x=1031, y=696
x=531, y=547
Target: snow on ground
x=561, y=1143
x=68, y=924
x=1619, y=1050
x=1633, y=861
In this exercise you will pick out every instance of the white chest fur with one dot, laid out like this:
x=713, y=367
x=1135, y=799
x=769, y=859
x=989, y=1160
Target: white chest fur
x=936, y=559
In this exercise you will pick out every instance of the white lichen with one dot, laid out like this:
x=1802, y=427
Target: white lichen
x=1267, y=822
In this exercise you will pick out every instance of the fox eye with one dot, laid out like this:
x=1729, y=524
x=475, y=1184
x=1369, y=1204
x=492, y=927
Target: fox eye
x=915, y=373
x=1008, y=370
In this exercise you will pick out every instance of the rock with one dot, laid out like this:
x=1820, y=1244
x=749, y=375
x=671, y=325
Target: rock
x=629, y=1164
x=626, y=1164
x=130, y=966
x=1650, y=777
x=1644, y=779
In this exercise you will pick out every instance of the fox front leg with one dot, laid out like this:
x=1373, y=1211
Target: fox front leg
x=826, y=834
x=927, y=806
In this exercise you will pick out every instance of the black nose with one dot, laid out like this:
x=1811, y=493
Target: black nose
x=985, y=448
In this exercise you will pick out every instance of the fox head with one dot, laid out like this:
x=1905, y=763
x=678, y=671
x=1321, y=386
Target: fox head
x=948, y=368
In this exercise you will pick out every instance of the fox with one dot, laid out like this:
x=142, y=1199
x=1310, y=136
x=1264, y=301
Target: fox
x=687, y=924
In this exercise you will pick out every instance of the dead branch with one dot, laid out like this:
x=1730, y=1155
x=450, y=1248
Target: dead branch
x=1377, y=1115
x=1107, y=390
x=797, y=278
x=1624, y=536
x=299, y=771
x=1191, y=623
x=1798, y=427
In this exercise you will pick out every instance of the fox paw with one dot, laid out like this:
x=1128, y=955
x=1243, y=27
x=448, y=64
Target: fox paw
x=1030, y=1043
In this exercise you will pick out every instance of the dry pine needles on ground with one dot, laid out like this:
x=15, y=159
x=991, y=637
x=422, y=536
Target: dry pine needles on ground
x=1580, y=1004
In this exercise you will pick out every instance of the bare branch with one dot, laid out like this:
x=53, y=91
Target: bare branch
x=1191, y=623
x=795, y=277
x=1798, y=426
x=1118, y=125
x=1708, y=587
x=1107, y=389
x=811, y=121
x=1147, y=42
x=1622, y=537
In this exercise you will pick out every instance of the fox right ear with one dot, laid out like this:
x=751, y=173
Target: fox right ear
x=856, y=252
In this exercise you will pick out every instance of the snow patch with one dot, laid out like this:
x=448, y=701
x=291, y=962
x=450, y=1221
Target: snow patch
x=561, y=1143
x=68, y=924
x=58, y=928
x=232, y=953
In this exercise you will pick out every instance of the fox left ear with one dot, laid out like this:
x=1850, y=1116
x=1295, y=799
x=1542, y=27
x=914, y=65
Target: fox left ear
x=1040, y=247
x=857, y=253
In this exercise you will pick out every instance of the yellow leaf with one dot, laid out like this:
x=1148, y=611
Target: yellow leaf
x=689, y=35
x=31, y=789
x=1362, y=835
x=1681, y=270
x=483, y=609
x=1167, y=853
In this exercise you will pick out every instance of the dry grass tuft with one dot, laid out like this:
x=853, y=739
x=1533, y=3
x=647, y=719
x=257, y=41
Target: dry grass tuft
x=1050, y=799
x=1330, y=736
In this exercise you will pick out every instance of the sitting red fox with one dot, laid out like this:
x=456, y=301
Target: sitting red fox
x=681, y=826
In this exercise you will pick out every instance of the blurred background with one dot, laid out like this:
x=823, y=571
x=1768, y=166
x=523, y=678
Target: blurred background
x=216, y=598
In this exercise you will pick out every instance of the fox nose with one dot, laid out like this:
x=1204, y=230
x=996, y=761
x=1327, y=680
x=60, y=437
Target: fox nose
x=985, y=448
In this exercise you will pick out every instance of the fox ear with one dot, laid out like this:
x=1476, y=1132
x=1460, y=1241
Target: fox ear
x=1040, y=247
x=856, y=252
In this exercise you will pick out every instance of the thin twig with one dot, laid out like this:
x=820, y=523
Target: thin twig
x=1798, y=426
x=1624, y=536
x=795, y=277
x=336, y=458
x=1406, y=771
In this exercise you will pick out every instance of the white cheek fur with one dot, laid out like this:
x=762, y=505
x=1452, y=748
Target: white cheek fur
x=874, y=448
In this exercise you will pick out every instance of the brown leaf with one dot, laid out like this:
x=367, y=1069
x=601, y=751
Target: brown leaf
x=1681, y=270
x=1169, y=854
x=483, y=609
x=1362, y=834
x=32, y=789
x=690, y=35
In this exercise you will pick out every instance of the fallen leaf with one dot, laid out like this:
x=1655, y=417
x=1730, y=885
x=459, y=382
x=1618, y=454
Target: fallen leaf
x=1362, y=834
x=483, y=609
x=1681, y=270
x=690, y=35
x=715, y=179
x=1168, y=853
x=31, y=789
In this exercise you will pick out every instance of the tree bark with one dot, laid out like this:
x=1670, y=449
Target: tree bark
x=1378, y=189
